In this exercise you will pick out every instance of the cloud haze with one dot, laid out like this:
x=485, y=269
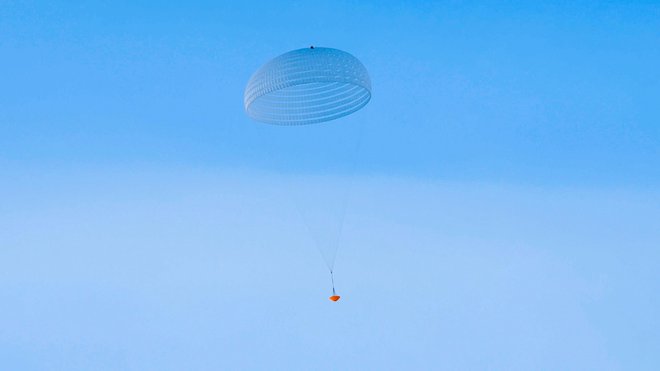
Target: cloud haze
x=206, y=269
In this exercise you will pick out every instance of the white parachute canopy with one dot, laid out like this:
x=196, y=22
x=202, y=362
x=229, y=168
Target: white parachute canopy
x=307, y=86
x=311, y=86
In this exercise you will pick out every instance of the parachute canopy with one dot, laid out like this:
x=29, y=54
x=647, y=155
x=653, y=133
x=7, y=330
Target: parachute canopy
x=307, y=86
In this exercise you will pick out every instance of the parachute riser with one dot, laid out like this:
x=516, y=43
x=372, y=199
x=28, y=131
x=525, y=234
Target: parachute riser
x=332, y=277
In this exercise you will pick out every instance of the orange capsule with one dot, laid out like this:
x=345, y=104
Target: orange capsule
x=335, y=297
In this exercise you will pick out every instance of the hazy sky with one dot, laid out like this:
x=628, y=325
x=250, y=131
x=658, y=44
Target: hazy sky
x=503, y=212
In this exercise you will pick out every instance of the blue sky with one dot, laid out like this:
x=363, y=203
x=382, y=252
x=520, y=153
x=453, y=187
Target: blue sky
x=503, y=207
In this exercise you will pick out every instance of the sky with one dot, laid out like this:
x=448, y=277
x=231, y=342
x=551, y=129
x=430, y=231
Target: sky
x=502, y=188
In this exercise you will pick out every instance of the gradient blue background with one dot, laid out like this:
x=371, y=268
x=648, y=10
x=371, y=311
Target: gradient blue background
x=504, y=213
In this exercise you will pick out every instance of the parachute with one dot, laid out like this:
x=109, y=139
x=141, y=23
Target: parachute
x=311, y=86
x=307, y=86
